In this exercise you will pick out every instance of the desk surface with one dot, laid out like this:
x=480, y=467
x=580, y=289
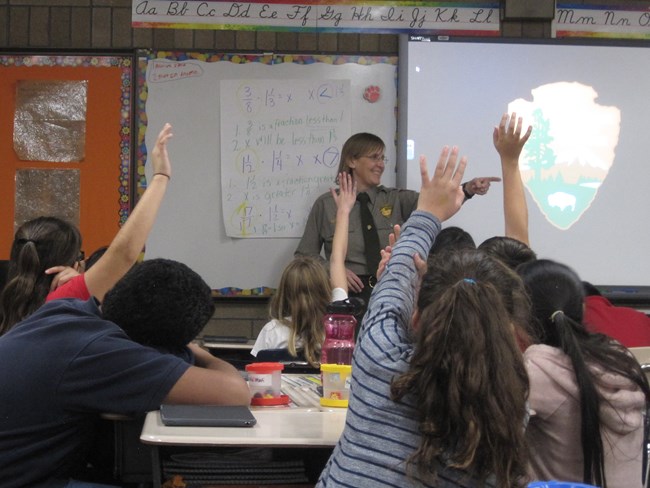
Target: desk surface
x=274, y=428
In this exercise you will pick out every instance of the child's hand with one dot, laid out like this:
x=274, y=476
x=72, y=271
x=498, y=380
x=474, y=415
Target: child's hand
x=159, y=157
x=393, y=236
x=507, y=138
x=385, y=256
x=387, y=251
x=347, y=194
x=63, y=274
x=442, y=195
x=420, y=265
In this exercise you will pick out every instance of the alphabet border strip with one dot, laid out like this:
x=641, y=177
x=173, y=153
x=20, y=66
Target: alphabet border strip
x=369, y=17
x=601, y=22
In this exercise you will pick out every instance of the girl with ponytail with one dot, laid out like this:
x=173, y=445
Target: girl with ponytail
x=588, y=395
x=39, y=244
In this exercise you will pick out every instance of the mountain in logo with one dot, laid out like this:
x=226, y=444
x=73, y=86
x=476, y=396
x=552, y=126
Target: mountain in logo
x=570, y=150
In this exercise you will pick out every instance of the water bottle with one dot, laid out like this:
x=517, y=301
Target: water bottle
x=339, y=324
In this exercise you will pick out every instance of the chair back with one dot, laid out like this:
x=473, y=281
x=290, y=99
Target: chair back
x=292, y=364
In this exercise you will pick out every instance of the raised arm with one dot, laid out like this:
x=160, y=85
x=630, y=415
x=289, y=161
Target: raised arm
x=344, y=199
x=509, y=142
x=128, y=243
x=440, y=198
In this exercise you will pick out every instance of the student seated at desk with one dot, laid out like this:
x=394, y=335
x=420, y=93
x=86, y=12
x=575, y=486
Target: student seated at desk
x=66, y=364
x=300, y=302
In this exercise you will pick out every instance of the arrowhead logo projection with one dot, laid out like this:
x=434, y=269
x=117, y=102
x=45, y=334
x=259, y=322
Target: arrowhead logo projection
x=570, y=151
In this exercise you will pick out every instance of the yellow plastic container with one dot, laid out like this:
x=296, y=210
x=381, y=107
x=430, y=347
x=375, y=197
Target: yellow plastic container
x=336, y=384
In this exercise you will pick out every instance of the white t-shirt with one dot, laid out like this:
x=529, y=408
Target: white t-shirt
x=275, y=335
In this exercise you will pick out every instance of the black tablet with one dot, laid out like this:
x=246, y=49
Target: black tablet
x=207, y=415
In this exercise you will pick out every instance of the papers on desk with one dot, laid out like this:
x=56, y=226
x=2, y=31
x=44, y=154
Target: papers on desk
x=304, y=390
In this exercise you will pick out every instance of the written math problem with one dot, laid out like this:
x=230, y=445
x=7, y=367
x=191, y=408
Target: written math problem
x=280, y=148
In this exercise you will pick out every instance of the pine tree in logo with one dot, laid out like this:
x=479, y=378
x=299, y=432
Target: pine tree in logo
x=540, y=154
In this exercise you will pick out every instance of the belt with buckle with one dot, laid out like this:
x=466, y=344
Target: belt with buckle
x=369, y=280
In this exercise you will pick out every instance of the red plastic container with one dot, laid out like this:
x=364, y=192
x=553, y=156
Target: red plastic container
x=265, y=383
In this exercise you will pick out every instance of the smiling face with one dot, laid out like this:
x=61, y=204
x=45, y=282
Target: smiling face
x=367, y=170
x=362, y=156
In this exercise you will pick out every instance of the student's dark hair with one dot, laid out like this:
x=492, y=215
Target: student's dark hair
x=452, y=239
x=160, y=303
x=38, y=244
x=94, y=257
x=557, y=298
x=467, y=373
x=510, y=251
x=357, y=145
x=4, y=270
x=300, y=303
x=591, y=290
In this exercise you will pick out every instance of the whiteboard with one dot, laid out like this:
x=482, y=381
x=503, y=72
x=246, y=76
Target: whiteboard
x=185, y=89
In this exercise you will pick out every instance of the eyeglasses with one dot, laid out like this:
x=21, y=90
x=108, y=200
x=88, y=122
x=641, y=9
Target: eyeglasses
x=377, y=158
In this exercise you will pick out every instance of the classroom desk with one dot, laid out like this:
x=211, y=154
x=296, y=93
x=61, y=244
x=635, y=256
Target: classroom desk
x=276, y=427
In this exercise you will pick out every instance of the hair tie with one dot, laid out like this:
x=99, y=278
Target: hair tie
x=471, y=281
x=25, y=241
x=555, y=314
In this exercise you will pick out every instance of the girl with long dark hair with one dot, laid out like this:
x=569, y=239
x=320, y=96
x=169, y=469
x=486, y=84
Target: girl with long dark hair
x=588, y=395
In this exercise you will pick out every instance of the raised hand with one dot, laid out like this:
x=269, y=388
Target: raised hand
x=442, y=195
x=507, y=137
x=159, y=157
x=347, y=194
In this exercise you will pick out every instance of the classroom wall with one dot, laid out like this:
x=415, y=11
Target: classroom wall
x=238, y=319
x=106, y=24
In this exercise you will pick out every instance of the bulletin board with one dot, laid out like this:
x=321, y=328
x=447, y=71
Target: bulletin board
x=256, y=140
x=105, y=170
